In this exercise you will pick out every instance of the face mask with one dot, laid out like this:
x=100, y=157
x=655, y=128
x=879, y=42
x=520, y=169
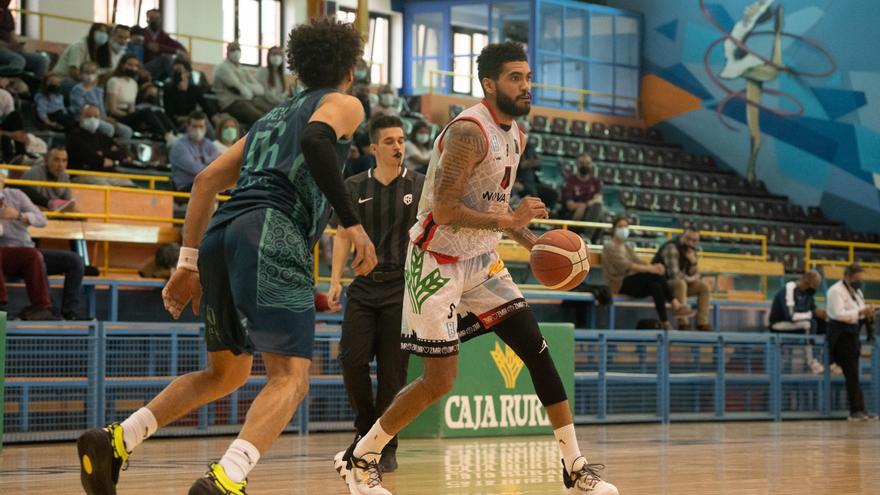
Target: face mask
x=585, y=170
x=856, y=284
x=275, y=60
x=90, y=124
x=622, y=233
x=229, y=135
x=155, y=24
x=151, y=99
x=132, y=73
x=100, y=38
x=810, y=291
x=53, y=88
x=387, y=100
x=422, y=138
x=117, y=47
x=235, y=56
x=90, y=78
x=360, y=74
x=196, y=134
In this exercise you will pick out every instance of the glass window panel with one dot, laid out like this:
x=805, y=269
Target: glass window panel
x=127, y=11
x=475, y=16
x=510, y=22
x=626, y=83
x=551, y=75
x=379, y=53
x=462, y=83
x=626, y=40
x=601, y=37
x=480, y=42
x=461, y=44
x=476, y=87
x=574, y=77
x=577, y=32
x=426, y=33
x=346, y=15
x=270, y=15
x=228, y=21
x=422, y=74
x=249, y=31
x=601, y=79
x=551, y=27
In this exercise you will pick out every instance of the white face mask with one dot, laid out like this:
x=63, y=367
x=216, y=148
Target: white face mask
x=90, y=124
x=386, y=99
x=235, y=56
x=422, y=138
x=196, y=134
x=275, y=60
x=622, y=233
x=90, y=78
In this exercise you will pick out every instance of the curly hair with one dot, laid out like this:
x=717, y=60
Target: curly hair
x=494, y=56
x=322, y=52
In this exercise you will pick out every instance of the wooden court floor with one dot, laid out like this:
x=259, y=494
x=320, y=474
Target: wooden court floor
x=789, y=458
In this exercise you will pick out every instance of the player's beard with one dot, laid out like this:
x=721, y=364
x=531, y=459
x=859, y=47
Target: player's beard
x=510, y=107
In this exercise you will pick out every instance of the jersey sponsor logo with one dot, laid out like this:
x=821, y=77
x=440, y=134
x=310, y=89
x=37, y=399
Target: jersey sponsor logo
x=498, y=196
x=418, y=287
x=363, y=200
x=407, y=199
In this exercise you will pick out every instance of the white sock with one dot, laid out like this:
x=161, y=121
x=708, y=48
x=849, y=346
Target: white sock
x=373, y=442
x=239, y=459
x=566, y=439
x=138, y=427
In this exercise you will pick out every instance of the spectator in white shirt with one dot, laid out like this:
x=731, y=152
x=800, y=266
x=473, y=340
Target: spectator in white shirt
x=238, y=91
x=847, y=312
x=271, y=76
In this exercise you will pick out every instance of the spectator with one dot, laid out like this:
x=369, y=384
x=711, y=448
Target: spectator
x=419, y=147
x=22, y=261
x=148, y=101
x=271, y=76
x=847, y=313
x=182, y=97
x=119, y=39
x=387, y=103
x=527, y=181
x=362, y=73
x=794, y=311
x=13, y=138
x=122, y=101
x=88, y=92
x=93, y=48
x=18, y=214
x=629, y=275
x=190, y=154
x=238, y=91
x=89, y=149
x=582, y=196
x=362, y=93
x=50, y=106
x=13, y=59
x=53, y=169
x=228, y=132
x=160, y=49
x=680, y=257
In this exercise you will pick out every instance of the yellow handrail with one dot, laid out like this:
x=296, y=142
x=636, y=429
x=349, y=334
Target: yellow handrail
x=583, y=94
x=151, y=179
x=851, y=249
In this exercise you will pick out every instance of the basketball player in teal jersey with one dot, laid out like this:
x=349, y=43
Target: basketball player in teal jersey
x=253, y=262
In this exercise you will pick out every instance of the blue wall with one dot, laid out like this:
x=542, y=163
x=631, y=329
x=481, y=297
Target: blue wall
x=828, y=154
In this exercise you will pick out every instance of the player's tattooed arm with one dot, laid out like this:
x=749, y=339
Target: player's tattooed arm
x=523, y=236
x=464, y=147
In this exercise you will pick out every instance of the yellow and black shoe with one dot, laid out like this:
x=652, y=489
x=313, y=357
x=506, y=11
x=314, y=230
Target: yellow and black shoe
x=102, y=455
x=215, y=482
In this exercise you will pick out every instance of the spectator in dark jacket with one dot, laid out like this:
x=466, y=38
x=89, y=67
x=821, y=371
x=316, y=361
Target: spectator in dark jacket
x=582, y=196
x=13, y=138
x=794, y=311
x=49, y=102
x=14, y=59
x=89, y=149
x=182, y=97
x=680, y=257
x=160, y=49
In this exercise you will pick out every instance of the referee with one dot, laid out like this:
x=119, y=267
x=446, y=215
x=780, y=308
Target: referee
x=387, y=199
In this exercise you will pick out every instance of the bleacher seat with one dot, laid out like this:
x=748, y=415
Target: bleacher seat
x=613, y=153
x=559, y=126
x=579, y=128
x=536, y=142
x=651, y=156
x=573, y=147
x=635, y=134
x=553, y=146
x=595, y=150
x=632, y=154
x=617, y=132
x=598, y=130
x=648, y=178
x=628, y=177
x=653, y=134
x=539, y=123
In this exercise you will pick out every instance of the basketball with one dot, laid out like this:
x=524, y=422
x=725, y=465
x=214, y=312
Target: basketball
x=560, y=260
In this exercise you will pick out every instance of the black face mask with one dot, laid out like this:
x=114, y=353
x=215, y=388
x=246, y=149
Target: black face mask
x=176, y=78
x=585, y=170
x=53, y=88
x=152, y=99
x=856, y=284
x=810, y=292
x=155, y=24
x=130, y=73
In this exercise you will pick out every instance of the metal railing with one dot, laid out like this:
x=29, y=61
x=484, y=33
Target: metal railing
x=151, y=180
x=583, y=95
x=851, y=247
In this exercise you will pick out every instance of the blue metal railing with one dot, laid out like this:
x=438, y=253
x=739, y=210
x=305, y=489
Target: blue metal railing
x=62, y=378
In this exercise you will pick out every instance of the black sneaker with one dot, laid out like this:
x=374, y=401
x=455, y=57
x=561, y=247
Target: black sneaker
x=216, y=482
x=102, y=455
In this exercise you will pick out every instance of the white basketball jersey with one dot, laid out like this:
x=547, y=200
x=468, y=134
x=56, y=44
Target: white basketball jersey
x=487, y=190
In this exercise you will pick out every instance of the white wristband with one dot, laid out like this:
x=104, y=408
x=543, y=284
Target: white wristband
x=188, y=259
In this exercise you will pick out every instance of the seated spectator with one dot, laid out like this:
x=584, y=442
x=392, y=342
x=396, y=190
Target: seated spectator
x=14, y=59
x=419, y=147
x=680, y=257
x=182, y=97
x=271, y=76
x=387, y=103
x=237, y=90
x=582, y=196
x=629, y=275
x=160, y=49
x=122, y=101
x=16, y=260
x=49, y=103
x=362, y=72
x=794, y=311
x=89, y=149
x=527, y=181
x=148, y=101
x=119, y=38
x=93, y=48
x=362, y=93
x=13, y=138
x=228, y=132
x=87, y=92
x=53, y=169
x=190, y=154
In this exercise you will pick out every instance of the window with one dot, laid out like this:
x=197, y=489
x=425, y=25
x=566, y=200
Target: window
x=18, y=4
x=466, y=46
x=126, y=11
x=377, y=50
x=255, y=24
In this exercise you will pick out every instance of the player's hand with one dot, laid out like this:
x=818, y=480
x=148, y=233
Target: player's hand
x=528, y=209
x=364, y=251
x=334, y=295
x=183, y=287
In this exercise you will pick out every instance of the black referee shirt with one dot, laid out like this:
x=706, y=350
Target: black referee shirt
x=387, y=212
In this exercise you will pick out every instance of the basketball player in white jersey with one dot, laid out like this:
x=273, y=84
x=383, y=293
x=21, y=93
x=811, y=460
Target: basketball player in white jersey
x=456, y=285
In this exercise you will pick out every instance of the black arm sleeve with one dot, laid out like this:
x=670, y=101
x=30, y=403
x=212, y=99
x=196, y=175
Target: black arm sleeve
x=319, y=150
